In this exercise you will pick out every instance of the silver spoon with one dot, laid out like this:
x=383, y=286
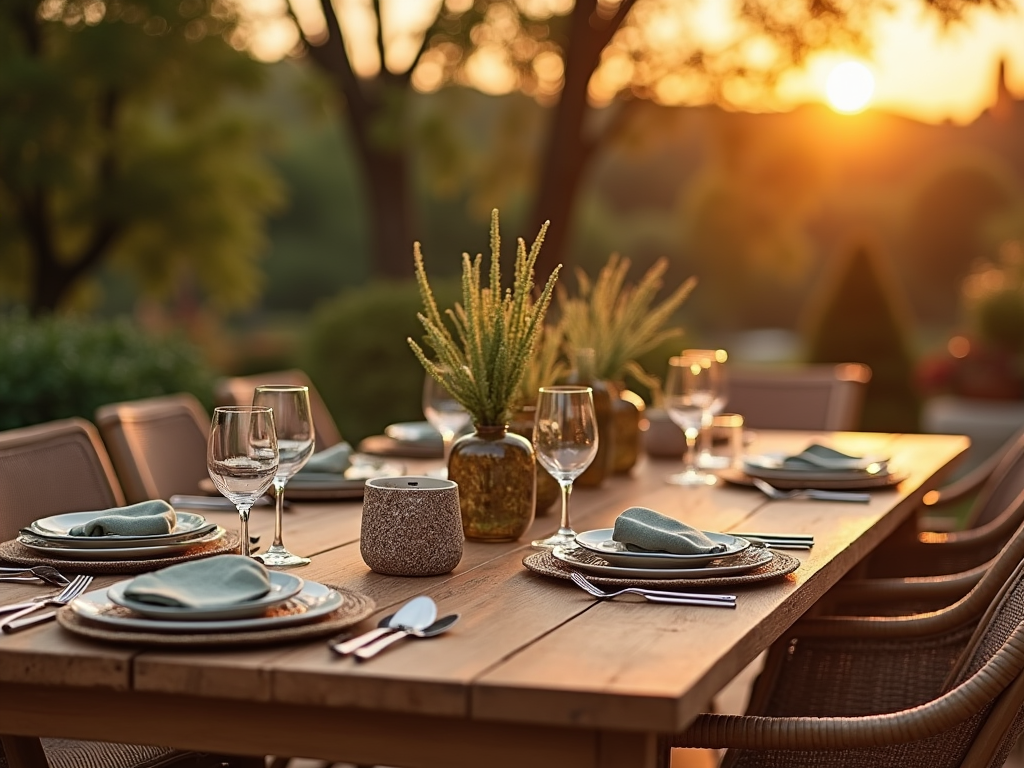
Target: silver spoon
x=418, y=613
x=441, y=625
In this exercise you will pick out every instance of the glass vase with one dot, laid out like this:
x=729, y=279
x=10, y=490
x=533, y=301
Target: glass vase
x=548, y=491
x=583, y=374
x=496, y=473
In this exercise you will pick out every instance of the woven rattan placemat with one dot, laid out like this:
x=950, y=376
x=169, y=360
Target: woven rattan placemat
x=13, y=552
x=780, y=565
x=354, y=608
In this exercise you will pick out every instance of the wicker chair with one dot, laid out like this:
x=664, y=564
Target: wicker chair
x=27, y=491
x=157, y=445
x=812, y=397
x=939, y=690
x=239, y=389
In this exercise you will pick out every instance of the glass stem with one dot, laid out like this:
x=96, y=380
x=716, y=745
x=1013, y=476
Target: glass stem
x=566, y=490
x=690, y=458
x=243, y=516
x=278, y=513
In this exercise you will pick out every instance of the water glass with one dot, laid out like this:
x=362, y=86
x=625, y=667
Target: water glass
x=295, y=441
x=565, y=439
x=689, y=395
x=242, y=458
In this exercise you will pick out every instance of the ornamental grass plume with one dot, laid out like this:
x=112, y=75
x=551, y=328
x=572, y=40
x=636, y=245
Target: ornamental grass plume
x=618, y=321
x=496, y=329
x=546, y=366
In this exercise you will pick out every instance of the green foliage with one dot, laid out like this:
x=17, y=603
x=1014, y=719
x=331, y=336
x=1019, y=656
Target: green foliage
x=356, y=354
x=496, y=330
x=861, y=319
x=65, y=366
x=120, y=146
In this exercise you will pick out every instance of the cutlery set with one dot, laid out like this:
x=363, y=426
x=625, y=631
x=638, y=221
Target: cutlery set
x=417, y=618
x=20, y=618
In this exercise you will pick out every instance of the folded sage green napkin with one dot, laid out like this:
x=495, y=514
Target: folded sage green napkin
x=817, y=457
x=207, y=583
x=147, y=518
x=644, y=530
x=334, y=460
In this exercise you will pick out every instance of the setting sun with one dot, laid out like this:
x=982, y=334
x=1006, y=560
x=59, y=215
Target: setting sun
x=849, y=87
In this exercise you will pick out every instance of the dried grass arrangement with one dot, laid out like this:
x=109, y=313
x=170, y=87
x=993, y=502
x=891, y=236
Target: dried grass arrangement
x=482, y=364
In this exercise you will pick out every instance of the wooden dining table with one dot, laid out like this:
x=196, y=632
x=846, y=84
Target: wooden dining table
x=536, y=673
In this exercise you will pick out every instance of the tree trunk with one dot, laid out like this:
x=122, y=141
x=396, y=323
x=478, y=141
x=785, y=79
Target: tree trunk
x=390, y=210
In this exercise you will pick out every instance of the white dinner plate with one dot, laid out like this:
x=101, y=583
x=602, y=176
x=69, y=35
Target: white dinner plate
x=56, y=549
x=315, y=600
x=600, y=542
x=589, y=562
x=413, y=432
x=283, y=586
x=188, y=525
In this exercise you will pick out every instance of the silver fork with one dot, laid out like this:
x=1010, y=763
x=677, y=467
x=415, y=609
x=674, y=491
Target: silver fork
x=656, y=596
x=77, y=586
x=809, y=493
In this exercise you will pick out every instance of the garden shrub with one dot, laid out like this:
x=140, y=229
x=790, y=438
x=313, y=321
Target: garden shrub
x=357, y=355
x=59, y=367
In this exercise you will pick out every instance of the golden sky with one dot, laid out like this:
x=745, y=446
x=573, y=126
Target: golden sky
x=921, y=70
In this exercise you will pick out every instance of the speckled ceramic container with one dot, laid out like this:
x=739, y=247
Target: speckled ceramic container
x=411, y=526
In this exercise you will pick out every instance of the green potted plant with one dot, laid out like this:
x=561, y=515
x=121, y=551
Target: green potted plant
x=482, y=364
x=620, y=322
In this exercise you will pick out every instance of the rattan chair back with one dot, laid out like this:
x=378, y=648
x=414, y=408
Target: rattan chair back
x=812, y=397
x=50, y=469
x=1002, y=486
x=157, y=445
x=238, y=390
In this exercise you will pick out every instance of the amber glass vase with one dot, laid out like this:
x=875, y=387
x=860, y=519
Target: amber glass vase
x=548, y=491
x=583, y=374
x=627, y=408
x=496, y=473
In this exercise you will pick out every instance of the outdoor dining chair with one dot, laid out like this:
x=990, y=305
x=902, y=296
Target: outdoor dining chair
x=808, y=397
x=157, y=445
x=238, y=390
x=49, y=469
x=937, y=691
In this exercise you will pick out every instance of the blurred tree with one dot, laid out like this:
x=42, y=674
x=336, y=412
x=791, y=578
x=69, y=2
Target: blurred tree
x=117, y=147
x=576, y=55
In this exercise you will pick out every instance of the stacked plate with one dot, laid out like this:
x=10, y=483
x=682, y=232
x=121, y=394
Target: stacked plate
x=291, y=601
x=824, y=472
x=598, y=554
x=51, y=536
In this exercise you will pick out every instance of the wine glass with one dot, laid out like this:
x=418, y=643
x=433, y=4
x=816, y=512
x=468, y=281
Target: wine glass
x=445, y=414
x=242, y=458
x=689, y=394
x=295, y=442
x=714, y=360
x=565, y=437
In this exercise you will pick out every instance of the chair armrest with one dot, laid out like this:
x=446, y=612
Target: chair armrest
x=882, y=595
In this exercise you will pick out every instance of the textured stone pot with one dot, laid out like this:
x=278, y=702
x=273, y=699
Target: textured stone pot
x=411, y=526
x=495, y=471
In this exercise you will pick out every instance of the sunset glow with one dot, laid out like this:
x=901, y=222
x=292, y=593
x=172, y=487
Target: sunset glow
x=849, y=87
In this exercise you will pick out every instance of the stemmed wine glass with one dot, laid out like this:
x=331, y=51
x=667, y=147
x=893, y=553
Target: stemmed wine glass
x=295, y=440
x=714, y=360
x=242, y=458
x=689, y=394
x=444, y=413
x=565, y=438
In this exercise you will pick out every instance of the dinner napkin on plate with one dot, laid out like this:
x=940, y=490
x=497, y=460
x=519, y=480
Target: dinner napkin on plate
x=815, y=458
x=207, y=583
x=334, y=460
x=147, y=518
x=642, y=529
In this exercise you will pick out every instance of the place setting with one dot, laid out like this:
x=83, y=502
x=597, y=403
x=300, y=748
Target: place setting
x=217, y=601
x=648, y=549
x=129, y=539
x=817, y=467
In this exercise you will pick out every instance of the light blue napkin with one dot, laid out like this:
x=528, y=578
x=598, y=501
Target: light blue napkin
x=334, y=460
x=206, y=583
x=147, y=518
x=644, y=530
